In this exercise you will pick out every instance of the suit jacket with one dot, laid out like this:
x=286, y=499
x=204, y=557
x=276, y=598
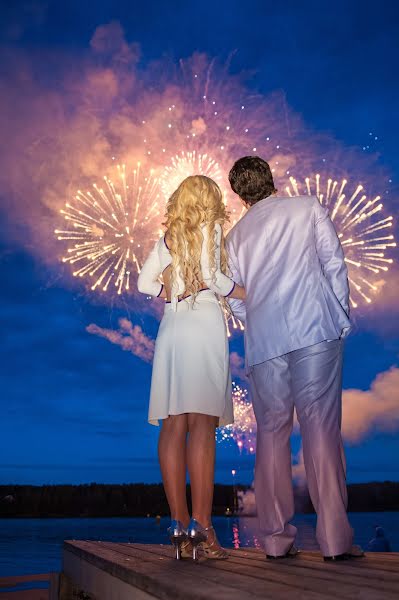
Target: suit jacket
x=287, y=254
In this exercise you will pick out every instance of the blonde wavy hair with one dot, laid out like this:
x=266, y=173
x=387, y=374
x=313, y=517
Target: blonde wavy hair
x=197, y=201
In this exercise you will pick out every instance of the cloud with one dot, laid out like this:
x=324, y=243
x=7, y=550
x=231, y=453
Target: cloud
x=109, y=40
x=364, y=411
x=376, y=408
x=129, y=337
x=237, y=365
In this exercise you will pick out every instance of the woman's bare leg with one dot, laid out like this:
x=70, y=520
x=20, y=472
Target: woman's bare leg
x=201, y=464
x=172, y=459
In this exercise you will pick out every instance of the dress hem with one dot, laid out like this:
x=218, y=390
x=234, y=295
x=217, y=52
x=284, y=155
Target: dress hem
x=155, y=420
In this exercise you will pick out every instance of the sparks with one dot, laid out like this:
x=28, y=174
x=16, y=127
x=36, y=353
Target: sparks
x=110, y=228
x=361, y=228
x=185, y=164
x=243, y=430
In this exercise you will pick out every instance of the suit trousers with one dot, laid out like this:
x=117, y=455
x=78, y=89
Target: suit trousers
x=309, y=379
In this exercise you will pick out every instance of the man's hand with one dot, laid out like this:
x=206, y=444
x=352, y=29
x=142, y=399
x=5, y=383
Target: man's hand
x=238, y=292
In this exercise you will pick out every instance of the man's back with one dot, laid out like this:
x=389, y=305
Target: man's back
x=287, y=255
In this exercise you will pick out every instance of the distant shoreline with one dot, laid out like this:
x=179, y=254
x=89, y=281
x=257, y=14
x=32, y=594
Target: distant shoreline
x=142, y=500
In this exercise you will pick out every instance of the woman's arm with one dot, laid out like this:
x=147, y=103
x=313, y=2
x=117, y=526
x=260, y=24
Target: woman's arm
x=218, y=282
x=148, y=279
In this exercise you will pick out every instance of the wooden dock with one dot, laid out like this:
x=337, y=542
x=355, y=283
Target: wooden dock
x=109, y=571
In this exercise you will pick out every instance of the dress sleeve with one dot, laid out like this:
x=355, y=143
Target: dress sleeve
x=216, y=281
x=148, y=279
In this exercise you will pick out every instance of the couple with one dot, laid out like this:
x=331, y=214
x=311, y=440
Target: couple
x=282, y=271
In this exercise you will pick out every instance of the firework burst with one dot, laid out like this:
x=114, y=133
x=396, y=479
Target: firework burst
x=111, y=227
x=361, y=226
x=188, y=163
x=205, y=121
x=243, y=430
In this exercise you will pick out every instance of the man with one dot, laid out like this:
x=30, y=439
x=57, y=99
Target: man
x=286, y=253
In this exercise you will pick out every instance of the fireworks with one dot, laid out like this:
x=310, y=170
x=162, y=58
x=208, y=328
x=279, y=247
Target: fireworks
x=361, y=227
x=204, y=122
x=243, y=430
x=232, y=323
x=185, y=164
x=201, y=122
x=110, y=229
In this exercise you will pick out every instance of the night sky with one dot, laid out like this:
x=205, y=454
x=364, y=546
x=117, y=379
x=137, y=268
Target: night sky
x=73, y=405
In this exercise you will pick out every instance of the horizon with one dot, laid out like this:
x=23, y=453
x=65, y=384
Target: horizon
x=237, y=483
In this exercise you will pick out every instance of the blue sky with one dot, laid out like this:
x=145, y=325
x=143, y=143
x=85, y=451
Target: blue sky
x=73, y=405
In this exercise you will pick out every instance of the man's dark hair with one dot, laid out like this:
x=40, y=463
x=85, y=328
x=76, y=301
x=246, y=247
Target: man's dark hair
x=251, y=178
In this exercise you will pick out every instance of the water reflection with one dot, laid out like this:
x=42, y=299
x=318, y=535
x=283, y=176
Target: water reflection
x=243, y=532
x=35, y=545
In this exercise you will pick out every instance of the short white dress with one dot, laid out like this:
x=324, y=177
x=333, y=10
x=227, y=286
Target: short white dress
x=191, y=371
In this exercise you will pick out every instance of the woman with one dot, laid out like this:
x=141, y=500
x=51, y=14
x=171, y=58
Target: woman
x=191, y=385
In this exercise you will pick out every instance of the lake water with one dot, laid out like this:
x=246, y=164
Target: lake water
x=35, y=545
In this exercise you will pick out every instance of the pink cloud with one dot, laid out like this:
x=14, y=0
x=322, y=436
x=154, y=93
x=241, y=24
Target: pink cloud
x=237, y=365
x=363, y=411
x=376, y=408
x=129, y=337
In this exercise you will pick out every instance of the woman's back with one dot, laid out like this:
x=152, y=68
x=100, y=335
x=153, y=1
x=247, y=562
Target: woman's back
x=186, y=272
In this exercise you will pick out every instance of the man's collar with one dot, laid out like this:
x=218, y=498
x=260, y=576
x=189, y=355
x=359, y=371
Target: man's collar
x=271, y=197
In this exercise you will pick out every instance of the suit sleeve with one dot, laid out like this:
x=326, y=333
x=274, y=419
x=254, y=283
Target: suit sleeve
x=148, y=279
x=331, y=255
x=216, y=281
x=237, y=306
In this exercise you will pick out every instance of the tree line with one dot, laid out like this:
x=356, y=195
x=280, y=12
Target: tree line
x=140, y=500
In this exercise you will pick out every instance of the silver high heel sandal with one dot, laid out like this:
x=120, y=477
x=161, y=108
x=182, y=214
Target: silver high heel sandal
x=198, y=536
x=177, y=535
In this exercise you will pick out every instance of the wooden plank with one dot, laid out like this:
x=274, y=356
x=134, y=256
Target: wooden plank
x=152, y=572
x=237, y=577
x=167, y=578
x=359, y=563
x=15, y=579
x=162, y=578
x=54, y=588
x=287, y=574
x=375, y=579
x=25, y=595
x=367, y=562
x=305, y=561
x=87, y=581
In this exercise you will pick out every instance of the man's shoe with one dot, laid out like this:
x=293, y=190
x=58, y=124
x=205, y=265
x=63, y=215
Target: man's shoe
x=337, y=557
x=292, y=552
x=354, y=552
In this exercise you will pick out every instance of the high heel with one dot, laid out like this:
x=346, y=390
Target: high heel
x=186, y=549
x=177, y=535
x=198, y=535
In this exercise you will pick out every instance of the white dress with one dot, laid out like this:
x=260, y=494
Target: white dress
x=191, y=371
